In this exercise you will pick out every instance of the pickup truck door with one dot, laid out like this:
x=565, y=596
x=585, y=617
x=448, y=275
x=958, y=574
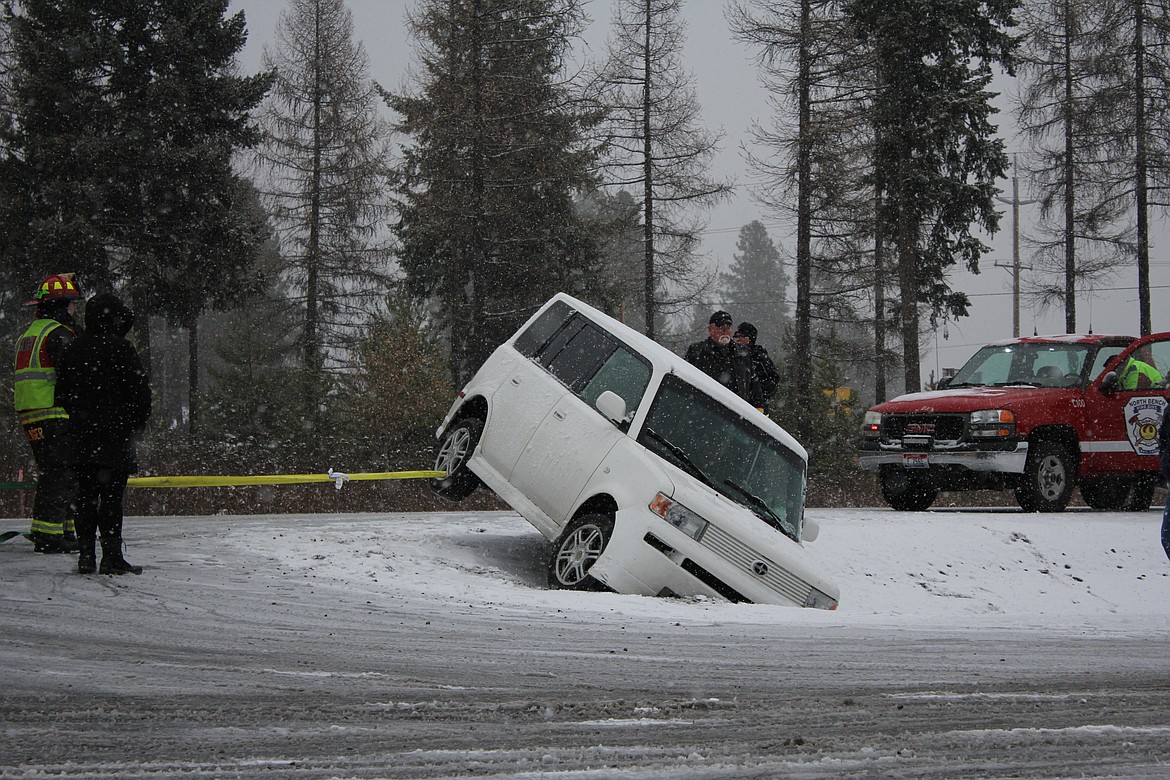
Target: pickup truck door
x=1121, y=423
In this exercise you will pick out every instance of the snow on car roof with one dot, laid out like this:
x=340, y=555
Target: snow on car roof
x=667, y=361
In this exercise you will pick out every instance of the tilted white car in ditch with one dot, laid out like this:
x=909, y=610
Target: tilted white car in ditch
x=647, y=475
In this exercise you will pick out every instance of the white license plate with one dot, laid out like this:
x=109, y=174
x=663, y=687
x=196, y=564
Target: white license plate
x=918, y=460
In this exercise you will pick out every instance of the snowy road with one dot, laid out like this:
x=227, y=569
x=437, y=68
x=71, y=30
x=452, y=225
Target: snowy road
x=422, y=646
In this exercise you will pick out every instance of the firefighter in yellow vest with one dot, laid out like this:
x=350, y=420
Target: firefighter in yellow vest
x=45, y=422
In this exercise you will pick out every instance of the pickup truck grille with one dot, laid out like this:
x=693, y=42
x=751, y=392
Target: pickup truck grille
x=949, y=427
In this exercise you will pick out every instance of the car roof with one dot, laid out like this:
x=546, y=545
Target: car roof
x=668, y=362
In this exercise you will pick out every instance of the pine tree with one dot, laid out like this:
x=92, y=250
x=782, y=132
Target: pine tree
x=325, y=177
x=936, y=156
x=1068, y=103
x=495, y=158
x=128, y=114
x=658, y=148
x=815, y=169
x=755, y=287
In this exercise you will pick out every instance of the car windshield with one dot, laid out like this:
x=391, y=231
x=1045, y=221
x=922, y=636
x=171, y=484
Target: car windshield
x=1039, y=365
x=715, y=444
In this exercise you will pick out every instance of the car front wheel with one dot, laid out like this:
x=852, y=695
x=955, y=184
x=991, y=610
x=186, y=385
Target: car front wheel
x=577, y=550
x=455, y=448
x=1048, y=480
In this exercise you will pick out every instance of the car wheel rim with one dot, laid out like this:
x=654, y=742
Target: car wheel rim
x=1051, y=478
x=453, y=451
x=578, y=552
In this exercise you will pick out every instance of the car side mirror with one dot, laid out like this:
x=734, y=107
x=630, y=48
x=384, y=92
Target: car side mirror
x=1109, y=383
x=942, y=383
x=612, y=406
x=810, y=531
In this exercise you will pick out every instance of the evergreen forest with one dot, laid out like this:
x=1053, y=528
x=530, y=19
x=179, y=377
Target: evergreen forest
x=319, y=261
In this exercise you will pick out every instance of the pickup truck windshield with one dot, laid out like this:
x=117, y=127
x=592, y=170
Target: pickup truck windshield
x=1039, y=365
x=703, y=437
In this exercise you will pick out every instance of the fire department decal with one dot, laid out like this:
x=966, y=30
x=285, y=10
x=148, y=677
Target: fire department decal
x=1143, y=415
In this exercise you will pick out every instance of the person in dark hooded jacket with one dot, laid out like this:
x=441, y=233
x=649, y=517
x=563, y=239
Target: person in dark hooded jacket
x=103, y=387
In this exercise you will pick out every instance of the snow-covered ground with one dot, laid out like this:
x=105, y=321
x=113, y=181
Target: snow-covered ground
x=969, y=643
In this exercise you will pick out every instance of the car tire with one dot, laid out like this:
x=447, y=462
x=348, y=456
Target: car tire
x=577, y=549
x=1107, y=494
x=456, y=446
x=906, y=492
x=1049, y=477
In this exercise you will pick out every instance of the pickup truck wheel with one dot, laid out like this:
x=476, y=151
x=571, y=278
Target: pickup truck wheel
x=1107, y=494
x=1048, y=479
x=455, y=448
x=577, y=550
x=1143, y=495
x=906, y=492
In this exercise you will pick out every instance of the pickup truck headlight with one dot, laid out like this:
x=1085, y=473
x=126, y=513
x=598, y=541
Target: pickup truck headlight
x=992, y=424
x=872, y=426
x=690, y=523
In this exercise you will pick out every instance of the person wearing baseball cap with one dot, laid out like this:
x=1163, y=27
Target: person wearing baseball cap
x=713, y=355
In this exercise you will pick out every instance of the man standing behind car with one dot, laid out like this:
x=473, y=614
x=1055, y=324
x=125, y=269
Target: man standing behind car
x=104, y=389
x=758, y=375
x=713, y=356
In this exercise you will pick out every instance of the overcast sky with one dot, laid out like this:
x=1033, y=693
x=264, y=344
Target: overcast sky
x=731, y=98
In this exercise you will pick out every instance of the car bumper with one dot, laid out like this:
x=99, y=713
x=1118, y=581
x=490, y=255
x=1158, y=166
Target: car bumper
x=1005, y=461
x=649, y=557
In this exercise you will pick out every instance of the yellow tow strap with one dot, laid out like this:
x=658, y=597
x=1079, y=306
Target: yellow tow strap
x=336, y=477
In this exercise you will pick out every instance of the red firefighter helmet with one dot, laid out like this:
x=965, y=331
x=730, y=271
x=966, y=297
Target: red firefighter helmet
x=55, y=287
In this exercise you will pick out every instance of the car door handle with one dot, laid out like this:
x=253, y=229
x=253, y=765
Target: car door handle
x=516, y=381
x=559, y=414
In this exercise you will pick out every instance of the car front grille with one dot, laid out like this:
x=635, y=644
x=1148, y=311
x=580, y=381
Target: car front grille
x=949, y=427
x=748, y=560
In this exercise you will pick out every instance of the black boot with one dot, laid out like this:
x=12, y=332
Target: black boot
x=46, y=543
x=87, y=561
x=112, y=560
x=69, y=542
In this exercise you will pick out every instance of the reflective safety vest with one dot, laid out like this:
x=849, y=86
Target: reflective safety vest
x=36, y=378
x=1139, y=375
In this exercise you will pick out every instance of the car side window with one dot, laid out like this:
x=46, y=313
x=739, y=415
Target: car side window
x=575, y=353
x=542, y=329
x=624, y=373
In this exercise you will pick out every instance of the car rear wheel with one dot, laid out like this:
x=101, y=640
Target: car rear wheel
x=455, y=448
x=905, y=491
x=1048, y=479
x=577, y=550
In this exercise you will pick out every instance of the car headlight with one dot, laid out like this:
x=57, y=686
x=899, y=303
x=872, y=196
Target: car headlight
x=819, y=600
x=872, y=426
x=992, y=424
x=690, y=523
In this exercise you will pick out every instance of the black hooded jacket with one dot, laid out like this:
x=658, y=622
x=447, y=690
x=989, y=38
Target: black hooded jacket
x=103, y=387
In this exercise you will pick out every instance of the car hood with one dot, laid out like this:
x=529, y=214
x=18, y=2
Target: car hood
x=965, y=399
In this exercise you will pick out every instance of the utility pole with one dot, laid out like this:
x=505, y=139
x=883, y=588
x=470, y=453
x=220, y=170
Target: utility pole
x=1016, y=203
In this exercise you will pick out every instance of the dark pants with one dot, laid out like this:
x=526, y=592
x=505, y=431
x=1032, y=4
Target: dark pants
x=1166, y=525
x=53, y=508
x=99, y=505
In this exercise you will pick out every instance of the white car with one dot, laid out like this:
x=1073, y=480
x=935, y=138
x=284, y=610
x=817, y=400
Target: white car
x=648, y=476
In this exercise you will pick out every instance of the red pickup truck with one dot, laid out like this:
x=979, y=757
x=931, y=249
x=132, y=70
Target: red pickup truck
x=1039, y=416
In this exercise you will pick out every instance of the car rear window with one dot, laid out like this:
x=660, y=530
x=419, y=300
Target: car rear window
x=542, y=329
